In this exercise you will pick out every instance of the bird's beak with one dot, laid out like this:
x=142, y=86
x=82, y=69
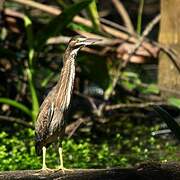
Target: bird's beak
x=88, y=41
x=91, y=40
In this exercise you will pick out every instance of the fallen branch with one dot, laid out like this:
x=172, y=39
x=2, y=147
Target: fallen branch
x=16, y=120
x=146, y=171
x=134, y=105
x=147, y=30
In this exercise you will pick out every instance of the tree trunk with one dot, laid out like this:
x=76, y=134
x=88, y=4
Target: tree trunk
x=169, y=35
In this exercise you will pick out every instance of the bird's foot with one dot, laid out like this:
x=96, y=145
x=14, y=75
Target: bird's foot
x=45, y=169
x=63, y=169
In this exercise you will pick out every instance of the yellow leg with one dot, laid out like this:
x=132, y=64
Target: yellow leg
x=61, y=167
x=44, y=167
x=44, y=158
x=61, y=159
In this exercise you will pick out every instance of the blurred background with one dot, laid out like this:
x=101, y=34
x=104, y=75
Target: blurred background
x=111, y=121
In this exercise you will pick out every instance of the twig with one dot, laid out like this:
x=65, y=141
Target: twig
x=147, y=30
x=13, y=13
x=116, y=26
x=90, y=99
x=77, y=19
x=136, y=47
x=125, y=16
x=16, y=120
x=174, y=56
x=40, y=6
x=115, y=33
x=104, y=41
x=161, y=132
x=96, y=110
x=55, y=11
x=71, y=128
x=134, y=105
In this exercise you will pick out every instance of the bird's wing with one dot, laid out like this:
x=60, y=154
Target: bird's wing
x=45, y=116
x=57, y=121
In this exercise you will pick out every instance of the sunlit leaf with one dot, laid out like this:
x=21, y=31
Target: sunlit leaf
x=152, y=88
x=174, y=101
x=130, y=80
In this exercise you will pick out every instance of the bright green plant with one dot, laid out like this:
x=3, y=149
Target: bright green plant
x=93, y=13
x=139, y=19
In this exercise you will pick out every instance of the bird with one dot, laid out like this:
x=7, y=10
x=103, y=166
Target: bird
x=50, y=122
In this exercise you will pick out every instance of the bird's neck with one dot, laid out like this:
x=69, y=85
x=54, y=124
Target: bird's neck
x=66, y=81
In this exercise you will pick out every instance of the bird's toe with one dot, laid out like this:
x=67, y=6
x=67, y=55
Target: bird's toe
x=63, y=169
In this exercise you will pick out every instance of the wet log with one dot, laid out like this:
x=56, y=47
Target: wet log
x=146, y=171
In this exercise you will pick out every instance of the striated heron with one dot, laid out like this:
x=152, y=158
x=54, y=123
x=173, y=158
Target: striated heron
x=50, y=124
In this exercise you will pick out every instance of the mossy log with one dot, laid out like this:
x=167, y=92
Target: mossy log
x=146, y=171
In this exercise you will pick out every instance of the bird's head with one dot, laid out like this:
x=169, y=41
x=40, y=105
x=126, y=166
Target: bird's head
x=78, y=42
x=75, y=44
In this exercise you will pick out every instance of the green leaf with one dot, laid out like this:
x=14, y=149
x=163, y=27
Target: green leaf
x=139, y=19
x=174, y=101
x=57, y=24
x=30, y=69
x=30, y=39
x=75, y=26
x=169, y=120
x=16, y=104
x=152, y=88
x=35, y=103
x=131, y=80
x=93, y=14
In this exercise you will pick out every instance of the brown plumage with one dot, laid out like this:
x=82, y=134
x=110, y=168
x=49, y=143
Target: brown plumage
x=50, y=124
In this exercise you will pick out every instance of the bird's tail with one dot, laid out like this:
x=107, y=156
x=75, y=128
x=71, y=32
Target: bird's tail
x=38, y=148
x=38, y=145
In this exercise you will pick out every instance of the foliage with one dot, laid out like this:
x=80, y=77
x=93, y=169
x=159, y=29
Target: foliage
x=19, y=153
